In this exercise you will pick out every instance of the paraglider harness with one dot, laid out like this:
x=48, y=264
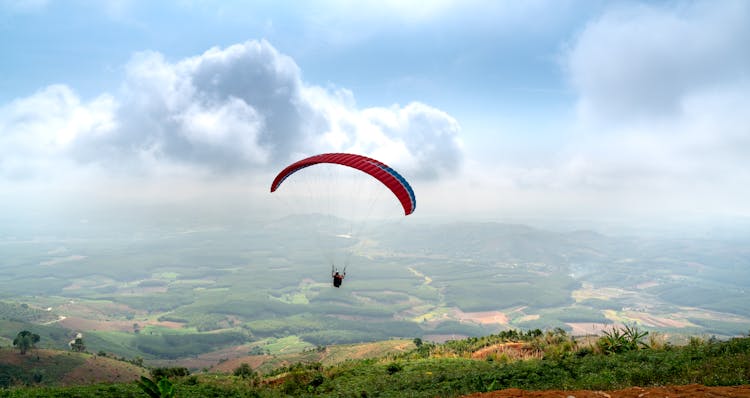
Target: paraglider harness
x=337, y=278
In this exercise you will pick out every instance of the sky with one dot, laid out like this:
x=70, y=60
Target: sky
x=493, y=110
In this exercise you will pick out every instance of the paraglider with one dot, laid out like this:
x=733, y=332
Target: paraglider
x=335, y=190
x=386, y=175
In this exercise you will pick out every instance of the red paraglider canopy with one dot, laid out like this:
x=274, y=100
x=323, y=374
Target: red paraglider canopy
x=382, y=172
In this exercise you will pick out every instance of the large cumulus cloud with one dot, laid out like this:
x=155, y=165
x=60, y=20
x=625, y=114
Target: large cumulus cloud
x=662, y=97
x=659, y=125
x=238, y=109
x=417, y=138
x=37, y=132
x=645, y=60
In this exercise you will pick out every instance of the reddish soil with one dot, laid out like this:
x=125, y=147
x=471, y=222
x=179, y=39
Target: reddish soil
x=689, y=391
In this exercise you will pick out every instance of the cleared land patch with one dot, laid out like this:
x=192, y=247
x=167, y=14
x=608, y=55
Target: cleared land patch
x=646, y=319
x=482, y=317
x=81, y=324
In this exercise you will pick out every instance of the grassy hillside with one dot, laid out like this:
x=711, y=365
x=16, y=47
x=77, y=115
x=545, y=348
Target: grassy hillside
x=46, y=367
x=529, y=360
x=51, y=336
x=326, y=356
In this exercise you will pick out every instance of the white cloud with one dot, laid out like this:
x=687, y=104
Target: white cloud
x=38, y=131
x=418, y=139
x=659, y=128
x=663, y=96
x=642, y=61
x=428, y=134
x=235, y=110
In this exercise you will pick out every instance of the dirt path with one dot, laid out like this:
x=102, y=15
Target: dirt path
x=689, y=391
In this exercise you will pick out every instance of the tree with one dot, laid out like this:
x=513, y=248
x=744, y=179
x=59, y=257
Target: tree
x=25, y=340
x=246, y=372
x=77, y=345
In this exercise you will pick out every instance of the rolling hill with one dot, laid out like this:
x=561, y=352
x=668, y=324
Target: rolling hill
x=184, y=293
x=46, y=367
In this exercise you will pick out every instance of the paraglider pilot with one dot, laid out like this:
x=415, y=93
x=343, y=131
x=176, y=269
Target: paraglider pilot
x=337, y=278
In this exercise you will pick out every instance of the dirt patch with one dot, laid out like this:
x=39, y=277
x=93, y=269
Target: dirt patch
x=689, y=391
x=484, y=317
x=515, y=351
x=655, y=321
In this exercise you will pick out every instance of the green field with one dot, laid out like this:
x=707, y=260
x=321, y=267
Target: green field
x=194, y=294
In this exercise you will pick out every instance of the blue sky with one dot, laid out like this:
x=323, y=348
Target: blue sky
x=451, y=56
x=560, y=109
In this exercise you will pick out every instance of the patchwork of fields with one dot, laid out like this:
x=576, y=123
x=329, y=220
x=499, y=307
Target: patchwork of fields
x=213, y=295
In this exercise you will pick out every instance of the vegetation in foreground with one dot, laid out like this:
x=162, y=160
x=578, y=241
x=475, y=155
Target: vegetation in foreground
x=532, y=360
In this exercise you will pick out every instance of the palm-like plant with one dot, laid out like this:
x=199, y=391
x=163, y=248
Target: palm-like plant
x=163, y=389
x=618, y=340
x=635, y=338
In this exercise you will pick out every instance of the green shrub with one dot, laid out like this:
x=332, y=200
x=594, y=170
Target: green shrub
x=169, y=372
x=394, y=367
x=247, y=373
